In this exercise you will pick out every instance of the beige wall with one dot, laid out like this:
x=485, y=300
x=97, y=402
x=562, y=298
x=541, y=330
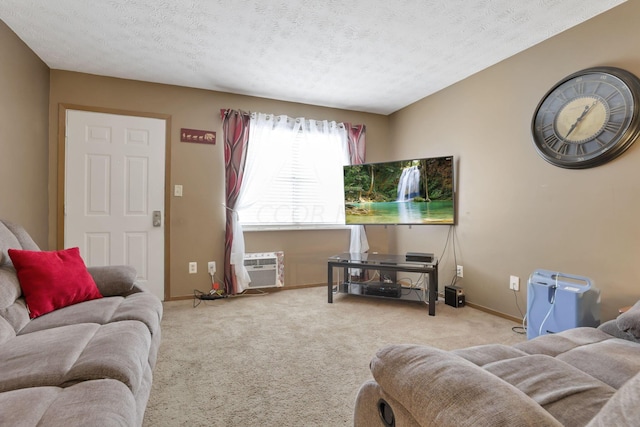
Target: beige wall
x=24, y=94
x=517, y=213
x=197, y=219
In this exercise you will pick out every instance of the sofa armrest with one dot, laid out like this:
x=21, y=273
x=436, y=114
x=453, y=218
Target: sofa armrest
x=441, y=388
x=629, y=321
x=611, y=328
x=114, y=280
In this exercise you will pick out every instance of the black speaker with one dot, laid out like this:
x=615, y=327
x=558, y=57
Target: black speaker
x=454, y=296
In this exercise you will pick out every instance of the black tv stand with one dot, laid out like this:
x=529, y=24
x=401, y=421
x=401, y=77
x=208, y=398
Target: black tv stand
x=385, y=289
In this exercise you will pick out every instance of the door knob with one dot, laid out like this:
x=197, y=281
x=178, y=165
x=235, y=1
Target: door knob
x=157, y=218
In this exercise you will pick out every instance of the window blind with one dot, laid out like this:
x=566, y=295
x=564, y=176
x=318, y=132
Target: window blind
x=308, y=188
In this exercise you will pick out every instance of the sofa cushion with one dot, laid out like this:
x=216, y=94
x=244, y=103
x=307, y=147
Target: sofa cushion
x=6, y=330
x=622, y=409
x=13, y=236
x=484, y=354
x=91, y=403
x=53, y=279
x=8, y=240
x=452, y=390
x=591, y=350
x=598, y=358
x=114, y=279
x=568, y=394
x=555, y=344
x=71, y=354
x=12, y=306
x=141, y=306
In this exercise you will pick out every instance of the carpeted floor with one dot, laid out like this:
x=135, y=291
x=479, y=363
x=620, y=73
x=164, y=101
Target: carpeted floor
x=289, y=358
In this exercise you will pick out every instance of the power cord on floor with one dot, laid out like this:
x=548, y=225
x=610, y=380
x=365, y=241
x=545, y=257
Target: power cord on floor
x=519, y=329
x=199, y=296
x=214, y=294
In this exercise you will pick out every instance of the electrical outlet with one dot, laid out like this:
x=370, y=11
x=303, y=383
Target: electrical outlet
x=211, y=267
x=514, y=283
x=459, y=271
x=193, y=267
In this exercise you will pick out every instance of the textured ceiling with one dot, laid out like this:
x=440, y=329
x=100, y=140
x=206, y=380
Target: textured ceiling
x=365, y=55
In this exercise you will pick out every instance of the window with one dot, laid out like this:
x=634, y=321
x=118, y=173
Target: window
x=293, y=173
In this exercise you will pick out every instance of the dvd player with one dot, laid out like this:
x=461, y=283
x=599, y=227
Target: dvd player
x=419, y=257
x=382, y=289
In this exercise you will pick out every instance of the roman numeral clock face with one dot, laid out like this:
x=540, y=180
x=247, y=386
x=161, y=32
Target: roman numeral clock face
x=588, y=118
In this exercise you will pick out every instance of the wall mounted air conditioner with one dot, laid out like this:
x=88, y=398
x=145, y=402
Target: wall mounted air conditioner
x=266, y=269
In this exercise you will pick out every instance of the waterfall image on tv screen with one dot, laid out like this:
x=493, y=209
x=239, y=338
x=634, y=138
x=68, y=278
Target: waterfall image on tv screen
x=410, y=192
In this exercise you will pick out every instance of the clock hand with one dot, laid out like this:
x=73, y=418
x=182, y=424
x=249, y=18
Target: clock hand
x=573, y=126
x=587, y=108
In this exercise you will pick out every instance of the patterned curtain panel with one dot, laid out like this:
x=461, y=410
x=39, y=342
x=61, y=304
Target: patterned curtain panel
x=358, y=242
x=235, y=127
x=355, y=135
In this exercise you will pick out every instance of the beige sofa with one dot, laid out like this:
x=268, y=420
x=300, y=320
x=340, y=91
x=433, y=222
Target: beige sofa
x=86, y=364
x=579, y=377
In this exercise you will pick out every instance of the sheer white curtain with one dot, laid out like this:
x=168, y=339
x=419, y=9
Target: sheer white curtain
x=268, y=135
x=324, y=152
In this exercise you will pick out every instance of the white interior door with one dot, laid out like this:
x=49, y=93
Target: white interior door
x=114, y=191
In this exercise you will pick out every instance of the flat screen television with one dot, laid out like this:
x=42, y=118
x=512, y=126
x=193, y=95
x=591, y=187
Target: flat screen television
x=411, y=192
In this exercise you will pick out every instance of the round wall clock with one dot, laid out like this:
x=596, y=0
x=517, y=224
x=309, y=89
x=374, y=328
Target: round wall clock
x=588, y=118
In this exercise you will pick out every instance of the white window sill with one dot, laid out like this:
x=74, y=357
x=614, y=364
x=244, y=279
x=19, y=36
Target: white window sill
x=252, y=228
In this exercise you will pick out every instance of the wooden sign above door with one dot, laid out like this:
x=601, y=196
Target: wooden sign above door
x=199, y=136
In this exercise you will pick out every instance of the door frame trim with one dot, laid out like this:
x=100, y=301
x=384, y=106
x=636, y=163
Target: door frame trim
x=62, y=130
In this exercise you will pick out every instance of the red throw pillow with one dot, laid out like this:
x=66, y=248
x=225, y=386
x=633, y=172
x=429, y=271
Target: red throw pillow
x=53, y=279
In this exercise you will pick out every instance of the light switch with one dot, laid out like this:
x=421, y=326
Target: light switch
x=177, y=190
